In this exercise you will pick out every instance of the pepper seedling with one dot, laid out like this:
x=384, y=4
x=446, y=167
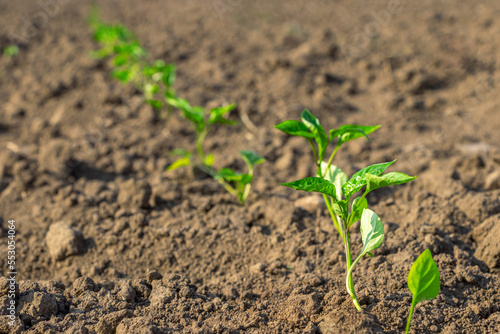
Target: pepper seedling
x=241, y=181
x=10, y=51
x=338, y=189
x=130, y=65
x=423, y=281
x=202, y=120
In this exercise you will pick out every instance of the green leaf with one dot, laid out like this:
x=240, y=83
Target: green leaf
x=358, y=180
x=358, y=206
x=185, y=161
x=168, y=77
x=217, y=115
x=295, y=128
x=120, y=59
x=193, y=114
x=390, y=179
x=10, y=50
x=350, y=132
x=209, y=160
x=151, y=89
x=372, y=231
x=336, y=176
x=155, y=104
x=341, y=209
x=251, y=158
x=122, y=75
x=316, y=184
x=313, y=124
x=423, y=280
x=230, y=175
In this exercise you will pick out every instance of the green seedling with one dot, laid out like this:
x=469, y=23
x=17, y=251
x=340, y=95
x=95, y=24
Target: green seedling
x=423, y=281
x=130, y=65
x=202, y=120
x=10, y=51
x=338, y=189
x=239, y=184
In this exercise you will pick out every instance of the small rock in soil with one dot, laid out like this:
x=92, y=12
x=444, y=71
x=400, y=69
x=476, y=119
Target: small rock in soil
x=81, y=285
x=489, y=248
x=110, y=322
x=258, y=268
x=37, y=306
x=492, y=181
x=134, y=194
x=481, y=231
x=135, y=325
x=55, y=157
x=63, y=241
x=161, y=295
x=153, y=275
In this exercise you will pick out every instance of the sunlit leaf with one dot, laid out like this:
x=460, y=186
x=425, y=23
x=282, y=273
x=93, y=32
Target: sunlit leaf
x=179, y=163
x=295, y=128
x=358, y=180
x=251, y=158
x=231, y=176
x=423, y=281
x=358, y=206
x=390, y=179
x=316, y=184
x=335, y=175
x=372, y=231
x=350, y=132
x=217, y=114
x=314, y=126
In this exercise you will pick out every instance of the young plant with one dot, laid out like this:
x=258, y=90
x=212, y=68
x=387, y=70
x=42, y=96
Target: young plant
x=338, y=190
x=10, y=51
x=202, y=120
x=241, y=182
x=130, y=64
x=423, y=281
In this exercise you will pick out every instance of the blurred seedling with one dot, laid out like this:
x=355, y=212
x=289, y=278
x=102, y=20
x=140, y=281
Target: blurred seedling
x=338, y=189
x=10, y=51
x=202, y=120
x=239, y=184
x=130, y=65
x=423, y=282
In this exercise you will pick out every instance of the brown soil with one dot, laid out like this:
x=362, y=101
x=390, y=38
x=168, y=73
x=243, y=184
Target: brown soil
x=107, y=242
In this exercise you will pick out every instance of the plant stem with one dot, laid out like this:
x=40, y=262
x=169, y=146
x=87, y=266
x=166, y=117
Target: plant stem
x=349, y=283
x=331, y=157
x=334, y=217
x=413, y=303
x=246, y=190
x=228, y=187
x=199, y=145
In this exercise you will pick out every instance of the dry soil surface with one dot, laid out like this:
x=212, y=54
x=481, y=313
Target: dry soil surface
x=107, y=242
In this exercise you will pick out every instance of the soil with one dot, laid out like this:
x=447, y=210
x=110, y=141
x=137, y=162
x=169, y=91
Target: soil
x=107, y=242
